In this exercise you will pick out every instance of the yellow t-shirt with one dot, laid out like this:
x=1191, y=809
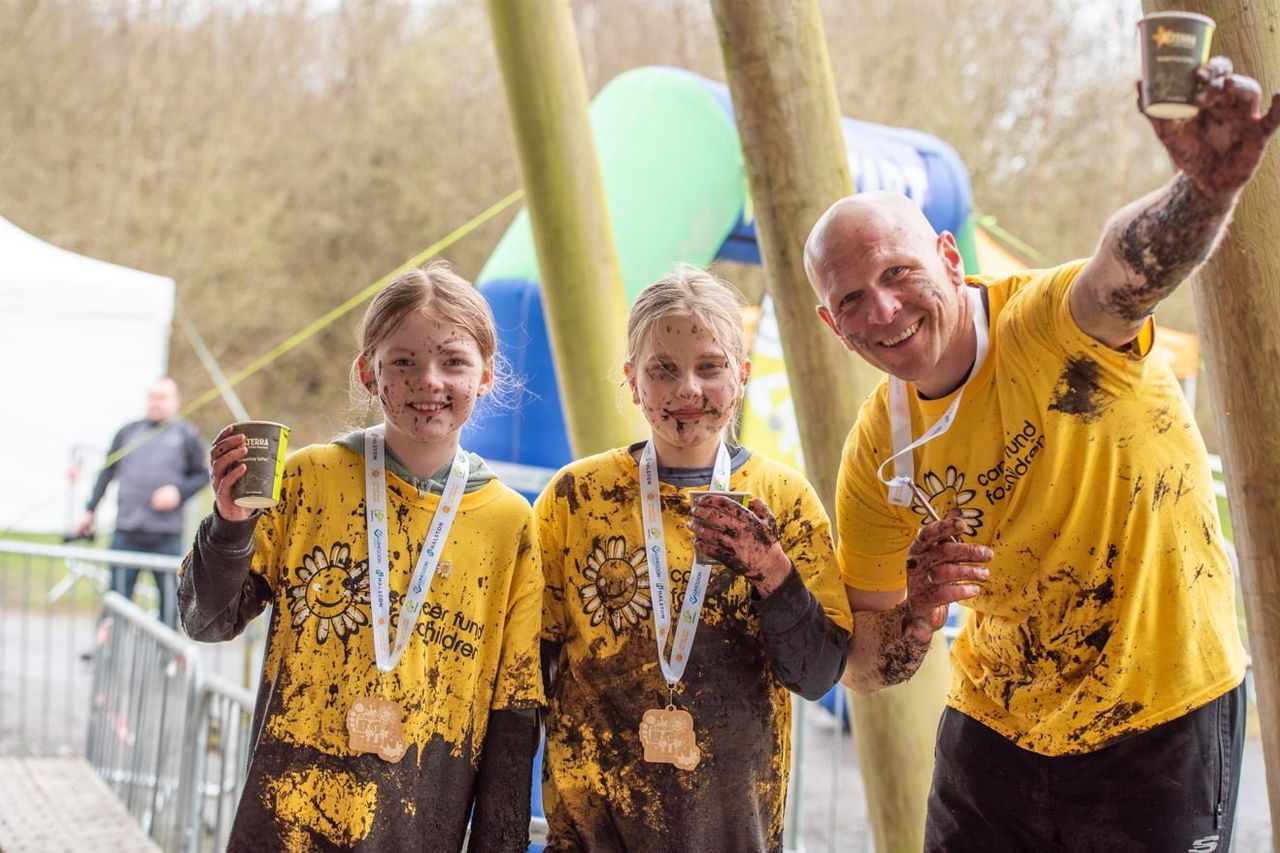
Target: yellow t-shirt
x=599, y=792
x=1110, y=607
x=474, y=649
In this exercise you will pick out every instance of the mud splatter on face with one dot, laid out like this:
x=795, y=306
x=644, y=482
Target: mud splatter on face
x=933, y=293
x=1078, y=392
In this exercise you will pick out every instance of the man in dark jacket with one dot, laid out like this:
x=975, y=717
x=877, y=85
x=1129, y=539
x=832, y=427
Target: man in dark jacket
x=157, y=463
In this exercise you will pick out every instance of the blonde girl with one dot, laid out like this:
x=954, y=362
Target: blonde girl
x=400, y=682
x=669, y=714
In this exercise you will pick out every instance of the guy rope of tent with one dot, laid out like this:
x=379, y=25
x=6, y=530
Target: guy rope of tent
x=988, y=222
x=332, y=316
x=309, y=331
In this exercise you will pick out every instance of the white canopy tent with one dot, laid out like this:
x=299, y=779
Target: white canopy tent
x=81, y=340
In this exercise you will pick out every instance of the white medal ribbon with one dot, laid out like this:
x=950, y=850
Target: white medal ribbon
x=902, y=460
x=375, y=494
x=656, y=554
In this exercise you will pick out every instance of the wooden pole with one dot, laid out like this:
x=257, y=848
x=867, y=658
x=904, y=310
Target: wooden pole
x=1237, y=296
x=788, y=117
x=581, y=281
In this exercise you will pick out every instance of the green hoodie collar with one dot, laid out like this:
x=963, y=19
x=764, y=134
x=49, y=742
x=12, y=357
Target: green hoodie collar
x=433, y=485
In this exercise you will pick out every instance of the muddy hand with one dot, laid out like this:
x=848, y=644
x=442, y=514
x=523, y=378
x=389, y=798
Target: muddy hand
x=941, y=570
x=1220, y=147
x=225, y=463
x=745, y=540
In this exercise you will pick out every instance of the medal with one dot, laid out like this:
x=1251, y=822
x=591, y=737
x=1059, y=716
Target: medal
x=375, y=724
x=667, y=733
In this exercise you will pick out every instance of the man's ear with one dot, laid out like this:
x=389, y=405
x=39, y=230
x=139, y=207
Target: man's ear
x=949, y=252
x=829, y=320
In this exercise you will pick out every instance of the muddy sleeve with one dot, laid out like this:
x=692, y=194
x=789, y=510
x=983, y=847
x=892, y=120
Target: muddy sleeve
x=805, y=649
x=217, y=593
x=501, y=819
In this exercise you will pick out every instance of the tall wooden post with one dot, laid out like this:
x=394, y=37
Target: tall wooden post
x=1237, y=297
x=788, y=117
x=582, y=284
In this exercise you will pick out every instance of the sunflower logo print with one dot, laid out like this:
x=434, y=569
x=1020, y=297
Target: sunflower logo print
x=331, y=592
x=617, y=585
x=945, y=494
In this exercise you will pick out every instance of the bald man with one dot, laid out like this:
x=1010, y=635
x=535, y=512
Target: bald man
x=1097, y=698
x=157, y=463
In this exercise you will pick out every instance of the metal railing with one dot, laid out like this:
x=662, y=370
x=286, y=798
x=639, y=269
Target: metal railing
x=146, y=681
x=87, y=672
x=50, y=601
x=219, y=752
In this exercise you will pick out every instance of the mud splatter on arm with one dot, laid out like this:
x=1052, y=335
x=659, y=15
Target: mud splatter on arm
x=889, y=645
x=884, y=651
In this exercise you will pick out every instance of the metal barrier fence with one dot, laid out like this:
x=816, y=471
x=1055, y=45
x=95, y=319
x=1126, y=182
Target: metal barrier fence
x=50, y=600
x=220, y=752
x=145, y=684
x=88, y=672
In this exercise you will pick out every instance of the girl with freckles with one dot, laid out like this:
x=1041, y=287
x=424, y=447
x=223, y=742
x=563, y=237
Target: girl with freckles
x=673, y=636
x=400, y=682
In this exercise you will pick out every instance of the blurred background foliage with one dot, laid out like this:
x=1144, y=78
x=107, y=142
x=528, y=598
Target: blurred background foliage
x=276, y=156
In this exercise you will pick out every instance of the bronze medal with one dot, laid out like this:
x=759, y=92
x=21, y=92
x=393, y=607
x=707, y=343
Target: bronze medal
x=375, y=725
x=667, y=735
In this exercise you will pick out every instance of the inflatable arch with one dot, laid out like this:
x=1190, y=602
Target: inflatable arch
x=676, y=191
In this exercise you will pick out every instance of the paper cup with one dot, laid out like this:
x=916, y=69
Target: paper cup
x=1174, y=45
x=259, y=488
x=696, y=495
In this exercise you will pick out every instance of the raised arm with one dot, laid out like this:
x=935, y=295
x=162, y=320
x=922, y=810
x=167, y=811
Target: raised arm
x=891, y=641
x=1151, y=245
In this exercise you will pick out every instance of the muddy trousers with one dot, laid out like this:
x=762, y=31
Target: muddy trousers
x=1166, y=790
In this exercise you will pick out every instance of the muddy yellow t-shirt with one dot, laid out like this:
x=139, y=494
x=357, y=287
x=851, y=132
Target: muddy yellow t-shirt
x=599, y=792
x=1110, y=607
x=474, y=649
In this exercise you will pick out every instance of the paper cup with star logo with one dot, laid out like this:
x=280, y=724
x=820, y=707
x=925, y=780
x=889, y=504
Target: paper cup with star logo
x=1174, y=45
x=267, y=441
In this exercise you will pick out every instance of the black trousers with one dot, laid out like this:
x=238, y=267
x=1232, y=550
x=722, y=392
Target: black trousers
x=125, y=578
x=1169, y=789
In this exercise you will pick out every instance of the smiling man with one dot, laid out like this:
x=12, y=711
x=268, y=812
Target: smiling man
x=1097, y=700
